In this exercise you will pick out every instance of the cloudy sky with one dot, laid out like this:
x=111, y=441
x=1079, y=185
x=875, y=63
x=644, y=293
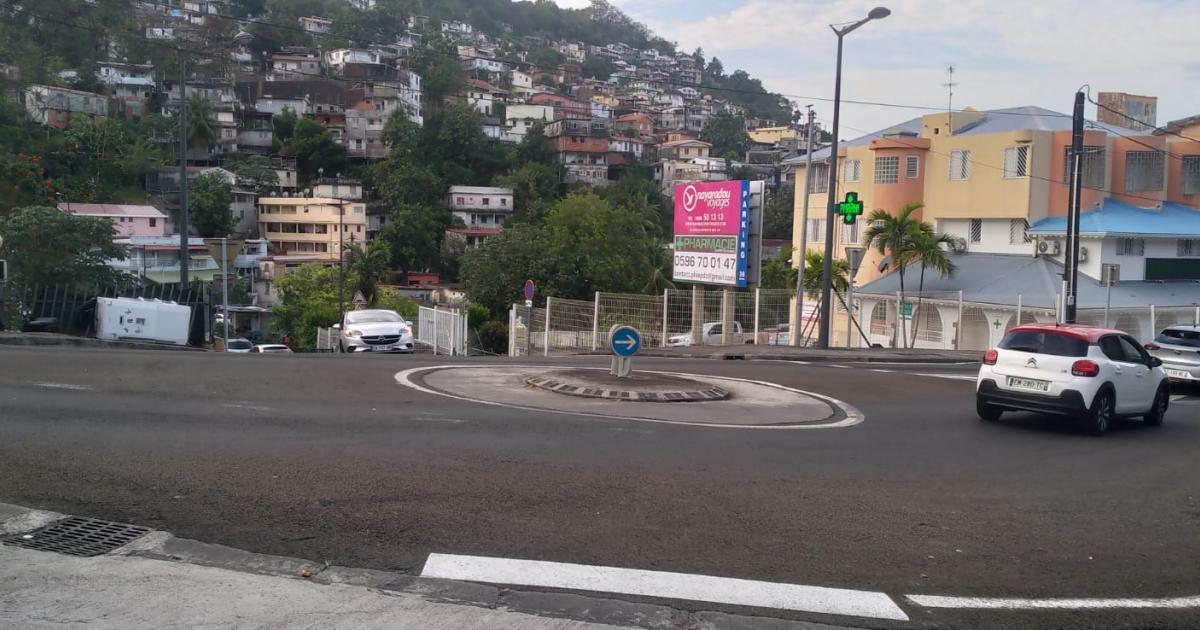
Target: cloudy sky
x=1006, y=53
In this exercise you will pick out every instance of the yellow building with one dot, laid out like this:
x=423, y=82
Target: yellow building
x=309, y=229
x=771, y=135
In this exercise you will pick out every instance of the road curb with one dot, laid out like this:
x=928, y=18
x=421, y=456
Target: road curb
x=42, y=340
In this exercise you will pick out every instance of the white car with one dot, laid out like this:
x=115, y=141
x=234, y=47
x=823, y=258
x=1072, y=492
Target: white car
x=710, y=336
x=1095, y=374
x=271, y=348
x=239, y=346
x=1179, y=349
x=374, y=330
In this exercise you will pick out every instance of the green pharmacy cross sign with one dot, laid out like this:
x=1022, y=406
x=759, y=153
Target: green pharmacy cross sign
x=850, y=208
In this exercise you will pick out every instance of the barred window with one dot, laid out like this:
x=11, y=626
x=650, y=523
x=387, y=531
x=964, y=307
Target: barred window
x=1092, y=167
x=976, y=230
x=887, y=170
x=1189, y=247
x=960, y=165
x=851, y=233
x=816, y=230
x=820, y=178
x=1131, y=247
x=1016, y=162
x=1191, y=174
x=1143, y=171
x=851, y=170
x=912, y=166
x=1017, y=234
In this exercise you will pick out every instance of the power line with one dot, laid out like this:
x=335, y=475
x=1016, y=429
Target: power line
x=1131, y=118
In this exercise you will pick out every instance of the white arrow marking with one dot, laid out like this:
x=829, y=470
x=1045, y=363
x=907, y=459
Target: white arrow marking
x=628, y=342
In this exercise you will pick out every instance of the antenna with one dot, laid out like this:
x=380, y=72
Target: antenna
x=949, y=85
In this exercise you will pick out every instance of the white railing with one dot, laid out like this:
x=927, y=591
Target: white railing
x=445, y=331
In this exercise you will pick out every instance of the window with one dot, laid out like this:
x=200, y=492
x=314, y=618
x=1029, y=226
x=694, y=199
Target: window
x=851, y=233
x=819, y=182
x=486, y=201
x=503, y=202
x=960, y=165
x=912, y=166
x=852, y=170
x=1143, y=171
x=1133, y=353
x=1045, y=343
x=1017, y=234
x=1111, y=347
x=887, y=170
x=1131, y=247
x=460, y=200
x=1016, y=162
x=153, y=222
x=816, y=230
x=1188, y=247
x=976, y=230
x=1191, y=174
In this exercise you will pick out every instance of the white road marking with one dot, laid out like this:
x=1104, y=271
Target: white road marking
x=938, y=601
x=853, y=415
x=77, y=388
x=700, y=588
x=246, y=406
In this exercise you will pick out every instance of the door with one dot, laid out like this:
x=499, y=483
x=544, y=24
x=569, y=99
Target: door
x=713, y=336
x=1124, y=374
x=1147, y=385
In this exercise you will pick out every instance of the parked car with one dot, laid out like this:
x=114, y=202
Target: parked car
x=1179, y=349
x=239, y=346
x=271, y=348
x=1095, y=374
x=781, y=336
x=710, y=336
x=374, y=330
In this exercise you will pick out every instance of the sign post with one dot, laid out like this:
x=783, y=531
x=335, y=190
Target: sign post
x=528, y=290
x=625, y=341
x=854, y=257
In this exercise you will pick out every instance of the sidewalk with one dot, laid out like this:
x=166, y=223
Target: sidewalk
x=160, y=581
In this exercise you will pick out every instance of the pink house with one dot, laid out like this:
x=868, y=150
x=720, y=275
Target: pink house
x=129, y=220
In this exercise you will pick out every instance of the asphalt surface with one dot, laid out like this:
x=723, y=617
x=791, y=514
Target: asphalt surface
x=326, y=457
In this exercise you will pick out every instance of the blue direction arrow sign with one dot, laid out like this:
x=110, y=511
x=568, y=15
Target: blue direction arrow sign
x=625, y=340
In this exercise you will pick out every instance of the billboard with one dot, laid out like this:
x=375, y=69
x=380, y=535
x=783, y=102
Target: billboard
x=712, y=233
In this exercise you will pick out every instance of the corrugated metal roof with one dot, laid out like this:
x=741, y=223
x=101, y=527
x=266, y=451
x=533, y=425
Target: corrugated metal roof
x=112, y=210
x=1000, y=278
x=1114, y=217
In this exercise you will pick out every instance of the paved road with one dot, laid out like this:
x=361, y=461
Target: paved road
x=326, y=457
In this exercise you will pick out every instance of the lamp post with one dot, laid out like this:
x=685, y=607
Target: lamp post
x=878, y=13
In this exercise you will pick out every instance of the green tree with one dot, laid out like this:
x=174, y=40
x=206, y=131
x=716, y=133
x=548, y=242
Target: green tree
x=535, y=189
x=727, y=134
x=441, y=72
x=779, y=213
x=414, y=236
x=202, y=133
x=314, y=148
x=596, y=67
x=284, y=126
x=595, y=246
x=932, y=251
x=814, y=273
x=45, y=245
x=369, y=266
x=308, y=299
x=545, y=57
x=494, y=273
x=535, y=146
x=778, y=273
x=209, y=201
x=254, y=171
x=895, y=235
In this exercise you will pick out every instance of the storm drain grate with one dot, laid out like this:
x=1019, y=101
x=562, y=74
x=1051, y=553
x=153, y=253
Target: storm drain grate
x=77, y=536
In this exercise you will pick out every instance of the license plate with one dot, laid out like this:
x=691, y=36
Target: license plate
x=1029, y=383
x=1179, y=374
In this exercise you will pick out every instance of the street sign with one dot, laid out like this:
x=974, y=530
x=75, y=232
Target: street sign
x=718, y=232
x=850, y=208
x=906, y=310
x=529, y=288
x=854, y=257
x=625, y=340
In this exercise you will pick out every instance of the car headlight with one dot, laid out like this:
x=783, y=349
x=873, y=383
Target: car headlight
x=403, y=330
x=354, y=333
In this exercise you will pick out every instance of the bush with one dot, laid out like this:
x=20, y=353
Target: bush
x=318, y=316
x=477, y=315
x=390, y=299
x=493, y=337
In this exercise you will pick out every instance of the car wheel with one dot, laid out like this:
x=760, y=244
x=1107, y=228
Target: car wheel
x=1161, y=401
x=987, y=412
x=1100, y=416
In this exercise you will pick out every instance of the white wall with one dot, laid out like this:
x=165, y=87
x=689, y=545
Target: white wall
x=995, y=236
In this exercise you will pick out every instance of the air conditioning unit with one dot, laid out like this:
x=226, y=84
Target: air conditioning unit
x=1083, y=254
x=1049, y=247
x=959, y=246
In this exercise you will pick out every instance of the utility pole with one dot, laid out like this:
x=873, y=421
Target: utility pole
x=184, y=255
x=794, y=335
x=1071, y=266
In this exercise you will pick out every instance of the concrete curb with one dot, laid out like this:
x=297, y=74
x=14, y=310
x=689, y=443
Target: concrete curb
x=164, y=546
x=809, y=357
x=569, y=389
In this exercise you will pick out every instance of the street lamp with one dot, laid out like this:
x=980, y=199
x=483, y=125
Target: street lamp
x=878, y=13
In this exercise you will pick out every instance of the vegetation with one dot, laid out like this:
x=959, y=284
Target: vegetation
x=727, y=134
x=44, y=245
x=209, y=204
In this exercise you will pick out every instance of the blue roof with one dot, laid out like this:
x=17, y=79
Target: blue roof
x=1115, y=217
x=993, y=121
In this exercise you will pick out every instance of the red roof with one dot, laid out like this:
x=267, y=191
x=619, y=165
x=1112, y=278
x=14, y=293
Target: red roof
x=1090, y=334
x=485, y=86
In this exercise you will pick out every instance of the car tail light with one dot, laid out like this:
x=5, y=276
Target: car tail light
x=1152, y=346
x=989, y=357
x=1085, y=368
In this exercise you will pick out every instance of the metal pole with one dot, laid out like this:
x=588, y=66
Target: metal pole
x=757, y=301
x=831, y=194
x=546, y=345
x=1107, y=299
x=342, y=265
x=184, y=255
x=958, y=327
x=225, y=286
x=1072, y=263
x=1019, y=308
x=596, y=323
x=850, y=314
x=512, y=331
x=435, y=331
x=1153, y=328
x=794, y=337
x=663, y=343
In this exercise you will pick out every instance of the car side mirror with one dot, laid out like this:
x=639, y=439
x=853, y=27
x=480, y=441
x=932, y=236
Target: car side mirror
x=336, y=326
x=1155, y=362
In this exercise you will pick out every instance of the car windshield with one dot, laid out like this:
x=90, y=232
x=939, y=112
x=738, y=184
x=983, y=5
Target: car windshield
x=1045, y=342
x=372, y=317
x=239, y=344
x=1189, y=338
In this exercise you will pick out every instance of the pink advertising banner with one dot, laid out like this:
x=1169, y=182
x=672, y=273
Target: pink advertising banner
x=707, y=208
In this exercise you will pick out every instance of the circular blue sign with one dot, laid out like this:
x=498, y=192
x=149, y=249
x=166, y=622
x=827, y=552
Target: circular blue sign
x=529, y=289
x=625, y=341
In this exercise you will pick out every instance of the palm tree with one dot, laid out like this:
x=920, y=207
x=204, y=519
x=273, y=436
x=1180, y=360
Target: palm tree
x=369, y=265
x=200, y=129
x=931, y=249
x=894, y=235
x=814, y=272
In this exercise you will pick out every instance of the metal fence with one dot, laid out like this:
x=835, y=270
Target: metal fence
x=71, y=309
x=442, y=330
x=675, y=318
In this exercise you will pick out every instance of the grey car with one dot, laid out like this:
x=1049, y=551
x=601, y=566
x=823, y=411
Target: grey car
x=1179, y=349
x=374, y=330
